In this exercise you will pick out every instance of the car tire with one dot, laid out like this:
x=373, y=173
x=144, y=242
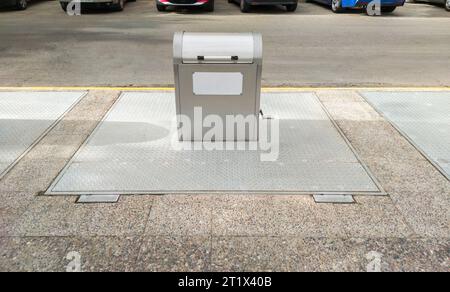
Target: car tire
x=120, y=5
x=161, y=8
x=388, y=9
x=245, y=7
x=64, y=6
x=21, y=4
x=447, y=5
x=291, y=7
x=230, y=1
x=336, y=6
x=209, y=7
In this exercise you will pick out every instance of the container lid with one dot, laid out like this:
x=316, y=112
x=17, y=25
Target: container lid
x=218, y=48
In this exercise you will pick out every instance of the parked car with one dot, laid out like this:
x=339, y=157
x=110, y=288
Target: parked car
x=246, y=5
x=18, y=4
x=446, y=3
x=387, y=6
x=207, y=5
x=117, y=5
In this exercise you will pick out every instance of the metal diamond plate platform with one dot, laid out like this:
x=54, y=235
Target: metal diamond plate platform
x=25, y=117
x=131, y=152
x=423, y=118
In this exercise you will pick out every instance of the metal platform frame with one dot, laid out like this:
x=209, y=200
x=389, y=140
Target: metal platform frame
x=380, y=192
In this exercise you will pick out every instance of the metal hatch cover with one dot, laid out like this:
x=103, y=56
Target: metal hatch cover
x=423, y=118
x=25, y=117
x=130, y=152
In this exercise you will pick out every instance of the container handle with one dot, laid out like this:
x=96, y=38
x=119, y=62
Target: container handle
x=218, y=58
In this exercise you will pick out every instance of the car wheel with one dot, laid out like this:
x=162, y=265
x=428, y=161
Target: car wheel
x=64, y=6
x=245, y=7
x=336, y=6
x=230, y=1
x=388, y=9
x=161, y=8
x=209, y=7
x=21, y=4
x=291, y=7
x=120, y=5
x=447, y=5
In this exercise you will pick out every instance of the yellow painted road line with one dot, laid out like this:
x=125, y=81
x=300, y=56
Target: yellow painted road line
x=265, y=89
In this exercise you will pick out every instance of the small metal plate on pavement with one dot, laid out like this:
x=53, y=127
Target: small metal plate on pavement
x=334, y=199
x=91, y=199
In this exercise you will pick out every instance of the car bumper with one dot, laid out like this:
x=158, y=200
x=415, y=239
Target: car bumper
x=7, y=3
x=90, y=1
x=271, y=2
x=364, y=3
x=182, y=3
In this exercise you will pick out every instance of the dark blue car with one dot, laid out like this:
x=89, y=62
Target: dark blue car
x=18, y=4
x=337, y=6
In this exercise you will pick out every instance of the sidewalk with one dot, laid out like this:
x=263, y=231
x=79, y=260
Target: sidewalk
x=408, y=229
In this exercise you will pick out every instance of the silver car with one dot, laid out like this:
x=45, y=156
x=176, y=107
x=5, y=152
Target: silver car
x=246, y=5
x=446, y=3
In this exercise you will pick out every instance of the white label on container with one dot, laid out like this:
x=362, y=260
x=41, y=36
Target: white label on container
x=218, y=83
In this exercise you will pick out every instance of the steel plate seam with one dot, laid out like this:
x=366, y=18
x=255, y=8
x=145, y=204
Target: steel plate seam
x=341, y=133
x=88, y=139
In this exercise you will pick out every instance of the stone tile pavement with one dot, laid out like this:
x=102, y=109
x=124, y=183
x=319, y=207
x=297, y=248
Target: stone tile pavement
x=409, y=228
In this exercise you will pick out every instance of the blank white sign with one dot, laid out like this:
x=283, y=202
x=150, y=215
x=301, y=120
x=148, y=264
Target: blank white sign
x=218, y=83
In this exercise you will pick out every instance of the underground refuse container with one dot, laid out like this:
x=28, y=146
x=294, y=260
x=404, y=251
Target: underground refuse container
x=218, y=75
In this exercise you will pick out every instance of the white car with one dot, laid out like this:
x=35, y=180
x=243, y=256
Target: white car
x=207, y=5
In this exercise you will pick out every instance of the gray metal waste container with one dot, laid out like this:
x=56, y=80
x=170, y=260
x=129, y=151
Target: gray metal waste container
x=221, y=74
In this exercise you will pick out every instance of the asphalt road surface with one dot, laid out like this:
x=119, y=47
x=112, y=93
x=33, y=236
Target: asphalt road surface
x=42, y=46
